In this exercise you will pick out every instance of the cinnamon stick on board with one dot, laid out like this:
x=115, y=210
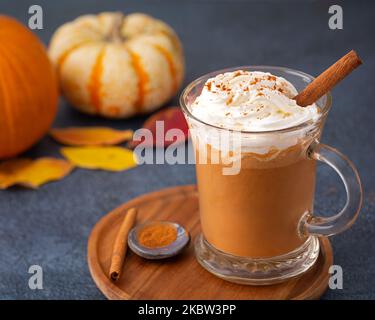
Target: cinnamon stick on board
x=328, y=79
x=121, y=245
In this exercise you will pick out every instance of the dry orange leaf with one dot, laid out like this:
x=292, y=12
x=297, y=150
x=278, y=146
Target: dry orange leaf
x=105, y=158
x=32, y=173
x=90, y=136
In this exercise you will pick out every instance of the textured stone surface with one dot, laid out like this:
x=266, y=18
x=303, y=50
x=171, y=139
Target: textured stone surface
x=50, y=226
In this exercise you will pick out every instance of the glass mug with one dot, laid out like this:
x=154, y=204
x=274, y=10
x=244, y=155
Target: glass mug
x=258, y=224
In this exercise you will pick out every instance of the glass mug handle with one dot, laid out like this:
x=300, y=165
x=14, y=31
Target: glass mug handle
x=327, y=226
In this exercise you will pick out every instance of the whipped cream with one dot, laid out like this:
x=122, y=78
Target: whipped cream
x=251, y=101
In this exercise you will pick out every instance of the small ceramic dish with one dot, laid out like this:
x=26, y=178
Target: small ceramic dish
x=156, y=253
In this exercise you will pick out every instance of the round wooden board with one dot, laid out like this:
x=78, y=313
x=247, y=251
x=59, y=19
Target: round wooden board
x=182, y=277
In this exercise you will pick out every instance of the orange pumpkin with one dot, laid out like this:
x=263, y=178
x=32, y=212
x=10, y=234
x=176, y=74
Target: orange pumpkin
x=28, y=88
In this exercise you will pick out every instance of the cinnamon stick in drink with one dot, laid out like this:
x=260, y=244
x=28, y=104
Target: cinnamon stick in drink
x=121, y=245
x=328, y=79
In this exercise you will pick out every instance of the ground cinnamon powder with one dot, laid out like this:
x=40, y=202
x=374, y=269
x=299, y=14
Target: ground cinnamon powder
x=157, y=235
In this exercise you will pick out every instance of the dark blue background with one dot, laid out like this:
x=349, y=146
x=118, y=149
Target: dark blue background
x=50, y=226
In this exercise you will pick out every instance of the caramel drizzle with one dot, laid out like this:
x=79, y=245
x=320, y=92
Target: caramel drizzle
x=94, y=85
x=172, y=68
x=143, y=79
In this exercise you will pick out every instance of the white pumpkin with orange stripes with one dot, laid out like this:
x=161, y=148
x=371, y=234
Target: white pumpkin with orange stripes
x=115, y=65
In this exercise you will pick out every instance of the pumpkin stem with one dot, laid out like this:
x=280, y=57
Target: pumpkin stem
x=115, y=34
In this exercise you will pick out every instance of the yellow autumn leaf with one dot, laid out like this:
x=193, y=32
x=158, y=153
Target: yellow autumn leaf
x=90, y=136
x=106, y=158
x=32, y=173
